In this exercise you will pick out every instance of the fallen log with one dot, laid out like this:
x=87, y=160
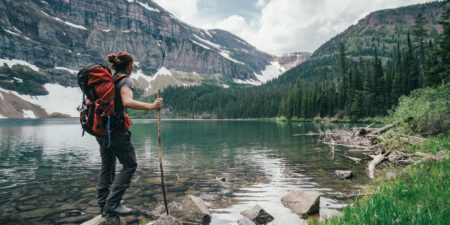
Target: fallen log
x=354, y=159
x=421, y=154
x=381, y=130
x=373, y=164
x=345, y=145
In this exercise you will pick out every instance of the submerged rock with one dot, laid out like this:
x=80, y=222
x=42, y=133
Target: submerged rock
x=258, y=215
x=344, y=174
x=301, y=202
x=187, y=209
x=114, y=220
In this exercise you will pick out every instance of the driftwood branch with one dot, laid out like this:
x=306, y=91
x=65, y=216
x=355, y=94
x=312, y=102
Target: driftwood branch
x=354, y=159
x=373, y=164
x=381, y=130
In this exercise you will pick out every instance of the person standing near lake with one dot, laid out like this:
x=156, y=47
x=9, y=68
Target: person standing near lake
x=111, y=188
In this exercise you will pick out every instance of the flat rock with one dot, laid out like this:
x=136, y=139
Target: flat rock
x=258, y=215
x=187, y=209
x=166, y=220
x=344, y=174
x=302, y=203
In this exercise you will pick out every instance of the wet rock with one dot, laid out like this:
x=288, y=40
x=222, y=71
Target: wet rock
x=75, y=219
x=344, y=174
x=40, y=212
x=245, y=221
x=258, y=215
x=301, y=202
x=166, y=220
x=129, y=220
x=187, y=209
x=92, y=210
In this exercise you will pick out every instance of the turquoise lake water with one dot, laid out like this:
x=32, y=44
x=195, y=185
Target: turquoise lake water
x=46, y=167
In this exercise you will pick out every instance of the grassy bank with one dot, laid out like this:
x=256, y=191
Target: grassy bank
x=419, y=194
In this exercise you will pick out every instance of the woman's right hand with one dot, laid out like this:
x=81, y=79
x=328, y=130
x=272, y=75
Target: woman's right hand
x=158, y=103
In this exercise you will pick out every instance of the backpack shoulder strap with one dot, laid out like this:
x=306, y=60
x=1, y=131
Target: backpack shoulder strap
x=119, y=76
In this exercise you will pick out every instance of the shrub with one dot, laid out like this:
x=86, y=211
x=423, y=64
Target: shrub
x=424, y=111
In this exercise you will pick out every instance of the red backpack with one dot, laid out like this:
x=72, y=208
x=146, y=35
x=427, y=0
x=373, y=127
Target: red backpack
x=97, y=112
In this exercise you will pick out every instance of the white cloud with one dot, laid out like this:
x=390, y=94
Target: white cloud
x=285, y=26
x=185, y=10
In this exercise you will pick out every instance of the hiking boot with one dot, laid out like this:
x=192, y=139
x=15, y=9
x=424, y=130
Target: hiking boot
x=117, y=210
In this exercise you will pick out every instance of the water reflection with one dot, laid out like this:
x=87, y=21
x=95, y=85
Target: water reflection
x=46, y=166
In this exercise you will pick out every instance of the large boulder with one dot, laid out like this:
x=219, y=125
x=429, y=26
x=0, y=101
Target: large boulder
x=187, y=209
x=302, y=203
x=258, y=215
x=344, y=174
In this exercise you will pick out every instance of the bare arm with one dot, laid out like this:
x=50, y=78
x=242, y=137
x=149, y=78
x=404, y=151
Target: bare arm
x=129, y=102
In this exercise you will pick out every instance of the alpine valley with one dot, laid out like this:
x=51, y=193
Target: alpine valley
x=43, y=44
x=204, y=73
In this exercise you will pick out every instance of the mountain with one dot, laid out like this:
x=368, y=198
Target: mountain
x=43, y=43
x=317, y=80
x=380, y=30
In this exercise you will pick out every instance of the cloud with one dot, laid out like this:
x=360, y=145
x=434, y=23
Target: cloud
x=185, y=10
x=285, y=26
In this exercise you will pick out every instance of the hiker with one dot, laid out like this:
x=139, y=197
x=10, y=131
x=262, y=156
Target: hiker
x=111, y=188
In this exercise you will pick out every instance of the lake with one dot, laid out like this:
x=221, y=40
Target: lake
x=46, y=167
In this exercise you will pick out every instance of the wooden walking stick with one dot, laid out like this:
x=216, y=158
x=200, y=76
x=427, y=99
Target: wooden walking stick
x=160, y=156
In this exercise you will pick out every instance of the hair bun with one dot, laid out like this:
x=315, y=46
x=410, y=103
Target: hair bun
x=112, y=58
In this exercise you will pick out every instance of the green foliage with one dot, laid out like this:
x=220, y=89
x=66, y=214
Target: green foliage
x=31, y=81
x=424, y=111
x=420, y=195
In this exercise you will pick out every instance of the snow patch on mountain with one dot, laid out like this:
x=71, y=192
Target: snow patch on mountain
x=147, y=7
x=214, y=45
x=60, y=99
x=65, y=22
x=139, y=74
x=272, y=71
x=249, y=81
x=163, y=71
x=12, y=62
x=3, y=117
x=226, y=54
x=66, y=69
x=29, y=114
x=18, y=79
x=201, y=45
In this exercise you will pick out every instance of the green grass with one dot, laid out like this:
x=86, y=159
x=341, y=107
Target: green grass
x=419, y=195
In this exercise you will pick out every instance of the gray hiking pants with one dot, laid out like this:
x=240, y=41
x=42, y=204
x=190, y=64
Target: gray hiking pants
x=110, y=188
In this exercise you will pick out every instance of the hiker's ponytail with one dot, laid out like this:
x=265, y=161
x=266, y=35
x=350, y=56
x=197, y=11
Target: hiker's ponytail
x=120, y=61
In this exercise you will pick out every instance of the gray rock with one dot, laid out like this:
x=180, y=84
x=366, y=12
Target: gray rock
x=301, y=202
x=245, y=221
x=326, y=213
x=166, y=220
x=258, y=215
x=187, y=209
x=344, y=174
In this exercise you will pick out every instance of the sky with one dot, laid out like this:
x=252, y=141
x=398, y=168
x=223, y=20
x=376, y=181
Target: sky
x=279, y=26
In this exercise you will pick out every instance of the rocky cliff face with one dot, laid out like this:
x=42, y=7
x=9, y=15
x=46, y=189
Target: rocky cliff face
x=43, y=43
x=72, y=33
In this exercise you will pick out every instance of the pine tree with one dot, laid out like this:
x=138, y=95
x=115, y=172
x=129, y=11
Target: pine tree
x=419, y=32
